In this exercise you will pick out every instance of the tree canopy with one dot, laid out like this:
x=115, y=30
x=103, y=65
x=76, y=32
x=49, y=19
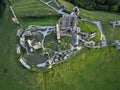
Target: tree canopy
x=2, y=6
x=103, y=5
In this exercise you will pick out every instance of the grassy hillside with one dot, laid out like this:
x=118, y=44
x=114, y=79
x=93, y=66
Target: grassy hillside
x=10, y=69
x=68, y=5
x=90, y=28
x=96, y=69
x=33, y=12
x=105, y=18
x=86, y=71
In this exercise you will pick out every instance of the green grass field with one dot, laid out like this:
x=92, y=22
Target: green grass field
x=105, y=18
x=93, y=69
x=11, y=71
x=67, y=4
x=33, y=12
x=34, y=8
x=51, y=41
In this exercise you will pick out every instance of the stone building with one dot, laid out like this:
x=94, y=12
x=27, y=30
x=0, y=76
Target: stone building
x=20, y=32
x=58, y=32
x=68, y=23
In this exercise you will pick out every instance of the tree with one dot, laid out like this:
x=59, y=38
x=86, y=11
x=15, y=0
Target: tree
x=104, y=5
x=2, y=6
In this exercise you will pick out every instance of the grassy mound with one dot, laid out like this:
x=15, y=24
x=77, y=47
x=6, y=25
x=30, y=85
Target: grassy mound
x=34, y=59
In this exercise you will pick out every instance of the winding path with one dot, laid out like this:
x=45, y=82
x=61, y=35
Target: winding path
x=14, y=14
x=58, y=11
x=22, y=60
x=99, y=25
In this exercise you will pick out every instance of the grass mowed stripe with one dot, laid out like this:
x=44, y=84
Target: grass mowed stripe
x=43, y=15
x=26, y=8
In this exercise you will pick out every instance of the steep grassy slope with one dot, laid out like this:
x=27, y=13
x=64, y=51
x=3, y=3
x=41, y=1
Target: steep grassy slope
x=86, y=71
x=97, y=69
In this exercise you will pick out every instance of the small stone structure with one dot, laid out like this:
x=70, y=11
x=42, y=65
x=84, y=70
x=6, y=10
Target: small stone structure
x=117, y=44
x=33, y=44
x=18, y=51
x=115, y=23
x=76, y=10
x=58, y=32
x=20, y=32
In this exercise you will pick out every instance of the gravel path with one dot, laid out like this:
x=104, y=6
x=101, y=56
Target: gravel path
x=99, y=25
x=58, y=11
x=14, y=14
